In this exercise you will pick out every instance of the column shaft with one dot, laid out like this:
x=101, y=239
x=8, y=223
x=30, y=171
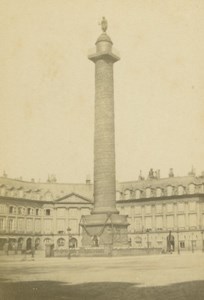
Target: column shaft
x=104, y=139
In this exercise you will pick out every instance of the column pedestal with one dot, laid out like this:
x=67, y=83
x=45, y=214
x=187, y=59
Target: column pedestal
x=104, y=229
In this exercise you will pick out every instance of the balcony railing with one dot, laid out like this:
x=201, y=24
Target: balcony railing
x=92, y=51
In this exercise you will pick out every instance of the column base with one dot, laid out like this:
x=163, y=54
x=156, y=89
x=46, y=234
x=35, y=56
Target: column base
x=104, y=229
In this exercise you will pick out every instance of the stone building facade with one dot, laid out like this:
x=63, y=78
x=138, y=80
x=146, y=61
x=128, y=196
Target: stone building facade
x=37, y=214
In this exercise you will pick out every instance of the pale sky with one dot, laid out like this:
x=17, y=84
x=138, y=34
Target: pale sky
x=47, y=86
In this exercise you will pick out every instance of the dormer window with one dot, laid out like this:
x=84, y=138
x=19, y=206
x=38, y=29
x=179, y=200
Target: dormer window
x=180, y=190
x=48, y=196
x=191, y=188
x=137, y=194
x=169, y=190
x=3, y=190
x=127, y=194
x=148, y=192
x=158, y=192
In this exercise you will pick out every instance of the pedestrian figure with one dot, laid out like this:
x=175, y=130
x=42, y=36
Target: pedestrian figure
x=33, y=252
x=16, y=248
x=23, y=251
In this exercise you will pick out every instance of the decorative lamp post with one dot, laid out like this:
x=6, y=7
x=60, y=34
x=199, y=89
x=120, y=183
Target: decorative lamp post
x=68, y=231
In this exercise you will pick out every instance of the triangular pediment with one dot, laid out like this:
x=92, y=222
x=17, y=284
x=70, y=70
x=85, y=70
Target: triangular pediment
x=74, y=198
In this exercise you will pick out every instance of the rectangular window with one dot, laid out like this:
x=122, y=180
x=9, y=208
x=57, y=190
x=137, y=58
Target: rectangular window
x=61, y=212
x=138, y=210
x=2, y=209
x=138, y=224
x=169, y=222
x=182, y=244
x=29, y=225
x=159, y=222
x=21, y=224
x=73, y=224
x=159, y=208
x=148, y=222
x=192, y=220
x=193, y=243
x=181, y=221
x=48, y=226
x=37, y=225
x=132, y=210
x=169, y=207
x=29, y=211
x=127, y=210
x=61, y=225
x=180, y=206
x=148, y=209
x=2, y=224
x=11, y=210
x=11, y=225
x=192, y=206
x=131, y=225
x=47, y=212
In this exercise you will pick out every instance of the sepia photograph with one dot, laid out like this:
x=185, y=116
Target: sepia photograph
x=102, y=149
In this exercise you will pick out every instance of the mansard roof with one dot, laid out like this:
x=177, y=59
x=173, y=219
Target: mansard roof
x=161, y=183
x=57, y=190
x=62, y=191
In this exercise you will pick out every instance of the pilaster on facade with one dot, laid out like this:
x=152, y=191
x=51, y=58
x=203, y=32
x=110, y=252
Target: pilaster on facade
x=175, y=209
x=164, y=216
x=54, y=220
x=153, y=209
x=186, y=211
x=67, y=218
x=143, y=216
x=199, y=215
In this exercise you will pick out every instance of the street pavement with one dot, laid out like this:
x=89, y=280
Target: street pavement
x=168, y=276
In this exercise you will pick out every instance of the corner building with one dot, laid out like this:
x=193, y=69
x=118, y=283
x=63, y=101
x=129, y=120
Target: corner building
x=40, y=213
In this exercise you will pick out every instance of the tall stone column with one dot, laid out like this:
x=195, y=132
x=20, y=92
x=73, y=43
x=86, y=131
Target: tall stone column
x=104, y=221
x=104, y=135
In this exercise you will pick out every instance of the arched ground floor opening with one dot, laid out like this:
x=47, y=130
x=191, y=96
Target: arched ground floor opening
x=3, y=241
x=28, y=244
x=73, y=243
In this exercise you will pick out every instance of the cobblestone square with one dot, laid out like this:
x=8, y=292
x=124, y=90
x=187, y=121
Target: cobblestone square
x=141, y=277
